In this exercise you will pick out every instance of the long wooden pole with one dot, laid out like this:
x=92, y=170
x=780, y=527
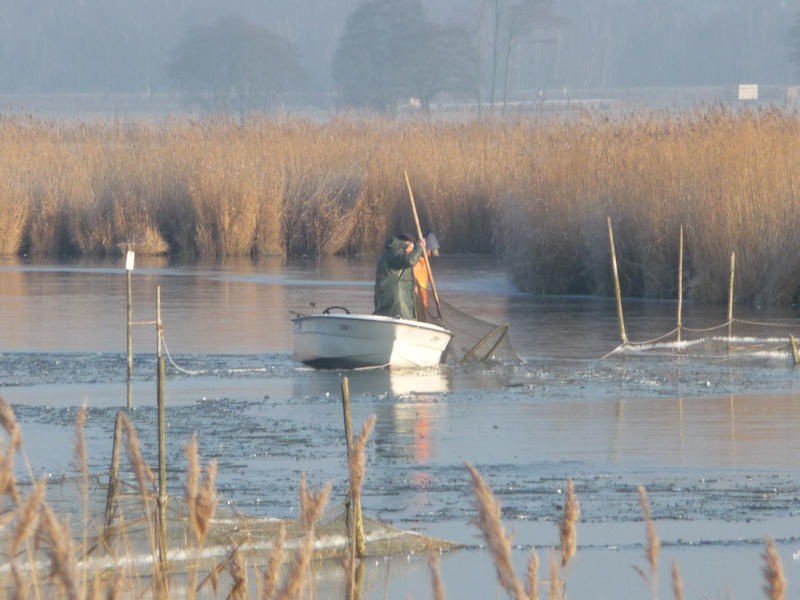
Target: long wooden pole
x=680, y=285
x=130, y=342
x=357, y=522
x=730, y=298
x=113, y=474
x=162, y=440
x=424, y=254
x=622, y=333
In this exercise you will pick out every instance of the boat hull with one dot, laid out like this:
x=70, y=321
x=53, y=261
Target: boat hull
x=348, y=341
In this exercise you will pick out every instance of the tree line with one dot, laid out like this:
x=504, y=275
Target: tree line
x=380, y=53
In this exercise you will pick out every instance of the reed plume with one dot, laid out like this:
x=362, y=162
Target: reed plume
x=436, y=575
x=191, y=487
x=62, y=553
x=28, y=516
x=357, y=460
x=555, y=585
x=238, y=573
x=271, y=573
x=201, y=501
x=144, y=475
x=490, y=524
x=677, y=582
x=146, y=479
x=11, y=425
x=775, y=587
x=201, y=498
x=532, y=587
x=312, y=505
x=8, y=481
x=653, y=543
x=572, y=512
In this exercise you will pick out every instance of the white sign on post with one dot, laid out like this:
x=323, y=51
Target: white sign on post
x=748, y=91
x=129, y=261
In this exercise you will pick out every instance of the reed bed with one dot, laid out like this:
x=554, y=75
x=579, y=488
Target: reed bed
x=46, y=558
x=536, y=191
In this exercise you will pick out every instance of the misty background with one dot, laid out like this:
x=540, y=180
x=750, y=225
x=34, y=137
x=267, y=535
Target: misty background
x=239, y=55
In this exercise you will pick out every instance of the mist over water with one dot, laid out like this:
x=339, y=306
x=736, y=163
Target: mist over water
x=712, y=436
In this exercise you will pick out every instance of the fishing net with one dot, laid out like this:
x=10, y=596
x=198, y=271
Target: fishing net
x=737, y=339
x=473, y=339
x=131, y=518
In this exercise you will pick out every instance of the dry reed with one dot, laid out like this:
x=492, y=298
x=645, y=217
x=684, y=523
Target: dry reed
x=61, y=549
x=312, y=504
x=436, y=575
x=271, y=573
x=653, y=543
x=554, y=592
x=533, y=578
x=499, y=542
x=238, y=573
x=27, y=516
x=677, y=582
x=775, y=587
x=536, y=190
x=201, y=501
x=572, y=512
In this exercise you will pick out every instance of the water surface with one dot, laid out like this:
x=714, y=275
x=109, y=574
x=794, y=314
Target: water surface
x=712, y=435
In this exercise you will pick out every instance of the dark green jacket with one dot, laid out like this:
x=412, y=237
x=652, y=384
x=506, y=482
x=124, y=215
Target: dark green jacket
x=394, y=280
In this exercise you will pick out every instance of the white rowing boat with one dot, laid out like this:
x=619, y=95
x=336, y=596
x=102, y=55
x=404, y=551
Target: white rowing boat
x=350, y=341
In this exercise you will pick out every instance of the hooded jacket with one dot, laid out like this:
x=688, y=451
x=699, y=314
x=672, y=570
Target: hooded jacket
x=394, y=280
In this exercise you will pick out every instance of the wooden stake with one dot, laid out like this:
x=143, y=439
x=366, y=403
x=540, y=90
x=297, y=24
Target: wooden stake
x=730, y=301
x=353, y=519
x=680, y=285
x=622, y=333
x=130, y=341
x=162, y=439
x=113, y=473
x=795, y=356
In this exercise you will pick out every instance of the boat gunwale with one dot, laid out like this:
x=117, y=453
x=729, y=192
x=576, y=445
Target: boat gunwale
x=378, y=319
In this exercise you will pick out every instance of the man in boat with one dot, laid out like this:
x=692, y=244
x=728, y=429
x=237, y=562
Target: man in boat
x=421, y=276
x=394, y=277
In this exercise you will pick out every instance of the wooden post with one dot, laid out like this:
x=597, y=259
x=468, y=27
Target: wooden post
x=162, y=441
x=795, y=356
x=113, y=473
x=622, y=333
x=129, y=270
x=356, y=526
x=730, y=301
x=680, y=285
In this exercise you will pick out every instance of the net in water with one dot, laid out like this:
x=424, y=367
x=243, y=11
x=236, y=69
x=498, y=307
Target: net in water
x=473, y=339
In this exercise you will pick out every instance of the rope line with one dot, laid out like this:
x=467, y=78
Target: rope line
x=181, y=369
x=612, y=352
x=763, y=324
x=657, y=339
x=704, y=329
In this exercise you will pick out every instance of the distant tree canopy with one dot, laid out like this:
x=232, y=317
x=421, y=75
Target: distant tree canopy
x=388, y=53
x=234, y=65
